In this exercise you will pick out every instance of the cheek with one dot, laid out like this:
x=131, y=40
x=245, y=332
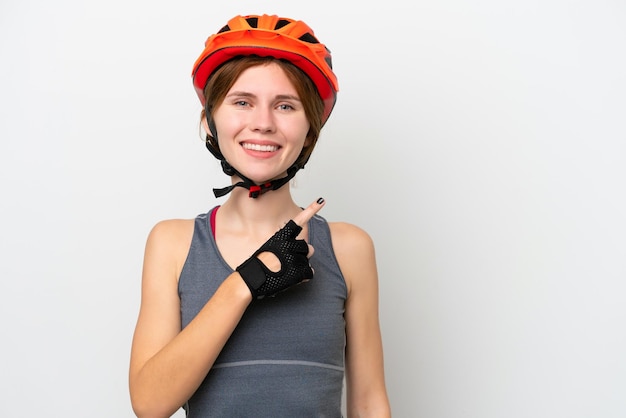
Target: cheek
x=302, y=133
x=226, y=126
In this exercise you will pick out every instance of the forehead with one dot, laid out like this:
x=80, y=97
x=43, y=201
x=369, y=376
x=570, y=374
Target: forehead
x=269, y=77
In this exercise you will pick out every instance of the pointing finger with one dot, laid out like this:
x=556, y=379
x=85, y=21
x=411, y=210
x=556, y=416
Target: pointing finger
x=303, y=217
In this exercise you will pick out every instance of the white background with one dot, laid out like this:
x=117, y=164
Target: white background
x=482, y=145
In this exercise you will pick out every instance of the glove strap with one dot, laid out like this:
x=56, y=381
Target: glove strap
x=253, y=271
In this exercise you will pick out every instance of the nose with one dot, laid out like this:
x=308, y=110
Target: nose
x=262, y=119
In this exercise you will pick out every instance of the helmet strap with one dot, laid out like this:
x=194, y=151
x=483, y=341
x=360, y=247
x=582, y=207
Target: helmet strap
x=255, y=190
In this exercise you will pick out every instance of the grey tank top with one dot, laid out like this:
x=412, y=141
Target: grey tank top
x=286, y=356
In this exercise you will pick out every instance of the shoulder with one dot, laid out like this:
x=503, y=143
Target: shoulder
x=170, y=231
x=349, y=236
x=169, y=241
x=354, y=249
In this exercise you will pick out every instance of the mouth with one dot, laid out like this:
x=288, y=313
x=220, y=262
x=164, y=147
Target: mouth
x=260, y=147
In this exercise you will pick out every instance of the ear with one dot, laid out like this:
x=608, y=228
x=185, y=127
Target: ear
x=308, y=140
x=205, y=126
x=208, y=124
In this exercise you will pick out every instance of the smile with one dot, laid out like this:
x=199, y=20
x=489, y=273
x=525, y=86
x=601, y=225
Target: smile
x=259, y=147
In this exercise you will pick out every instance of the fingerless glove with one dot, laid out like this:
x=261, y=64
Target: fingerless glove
x=294, y=263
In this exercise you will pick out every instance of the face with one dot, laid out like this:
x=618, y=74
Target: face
x=261, y=124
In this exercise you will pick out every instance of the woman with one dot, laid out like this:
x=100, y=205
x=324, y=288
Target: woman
x=258, y=307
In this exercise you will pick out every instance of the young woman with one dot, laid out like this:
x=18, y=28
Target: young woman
x=260, y=308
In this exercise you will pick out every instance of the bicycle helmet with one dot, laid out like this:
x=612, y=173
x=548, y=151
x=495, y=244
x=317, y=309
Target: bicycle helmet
x=265, y=36
x=278, y=37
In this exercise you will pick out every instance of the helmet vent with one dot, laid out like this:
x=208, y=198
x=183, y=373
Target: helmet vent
x=253, y=22
x=328, y=60
x=281, y=23
x=307, y=37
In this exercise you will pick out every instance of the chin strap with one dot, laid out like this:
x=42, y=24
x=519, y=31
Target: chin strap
x=255, y=190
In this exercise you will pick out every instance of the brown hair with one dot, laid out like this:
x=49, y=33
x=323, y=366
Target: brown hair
x=224, y=77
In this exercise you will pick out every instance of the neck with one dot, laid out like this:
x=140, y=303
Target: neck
x=268, y=212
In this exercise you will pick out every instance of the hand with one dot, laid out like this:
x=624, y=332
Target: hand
x=293, y=255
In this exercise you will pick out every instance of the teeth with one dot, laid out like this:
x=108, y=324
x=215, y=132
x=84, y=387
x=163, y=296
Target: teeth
x=258, y=147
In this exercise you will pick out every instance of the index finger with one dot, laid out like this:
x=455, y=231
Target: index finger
x=303, y=217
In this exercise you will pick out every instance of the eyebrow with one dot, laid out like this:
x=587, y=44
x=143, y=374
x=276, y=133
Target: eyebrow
x=278, y=97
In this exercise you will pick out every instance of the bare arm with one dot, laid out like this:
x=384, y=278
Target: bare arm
x=167, y=364
x=366, y=391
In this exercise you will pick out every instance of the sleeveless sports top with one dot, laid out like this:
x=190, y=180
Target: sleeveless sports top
x=286, y=356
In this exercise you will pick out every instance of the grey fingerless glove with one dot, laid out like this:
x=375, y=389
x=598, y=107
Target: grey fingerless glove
x=294, y=263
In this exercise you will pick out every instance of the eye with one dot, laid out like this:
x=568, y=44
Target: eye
x=285, y=106
x=241, y=103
